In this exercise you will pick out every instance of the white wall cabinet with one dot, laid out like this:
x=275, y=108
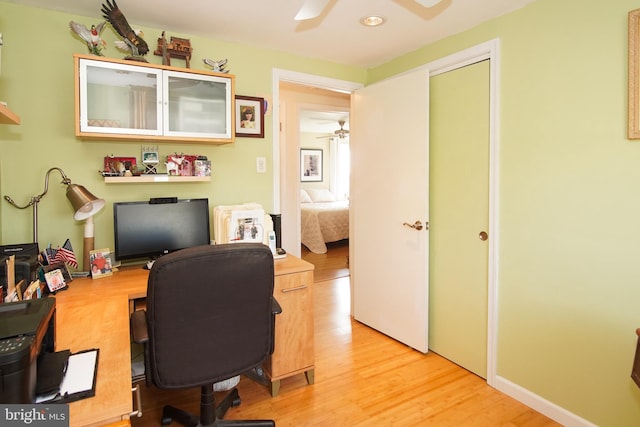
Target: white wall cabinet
x=118, y=99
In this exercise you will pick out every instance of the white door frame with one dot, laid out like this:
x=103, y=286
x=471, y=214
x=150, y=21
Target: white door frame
x=488, y=50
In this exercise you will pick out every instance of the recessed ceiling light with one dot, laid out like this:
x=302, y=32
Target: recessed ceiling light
x=372, y=21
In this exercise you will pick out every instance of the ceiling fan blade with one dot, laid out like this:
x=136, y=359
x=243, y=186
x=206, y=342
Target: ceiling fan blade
x=311, y=9
x=428, y=3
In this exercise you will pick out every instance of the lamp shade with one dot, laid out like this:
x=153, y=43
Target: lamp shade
x=84, y=203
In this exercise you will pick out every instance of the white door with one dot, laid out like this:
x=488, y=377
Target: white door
x=390, y=194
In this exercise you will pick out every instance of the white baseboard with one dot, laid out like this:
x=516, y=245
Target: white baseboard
x=541, y=405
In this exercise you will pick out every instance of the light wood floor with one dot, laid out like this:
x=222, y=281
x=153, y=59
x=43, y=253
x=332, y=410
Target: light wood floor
x=332, y=265
x=362, y=378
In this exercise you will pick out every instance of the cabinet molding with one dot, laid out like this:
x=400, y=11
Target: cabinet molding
x=8, y=117
x=128, y=100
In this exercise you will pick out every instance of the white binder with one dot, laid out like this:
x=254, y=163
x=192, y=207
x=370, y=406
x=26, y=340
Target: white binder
x=246, y=222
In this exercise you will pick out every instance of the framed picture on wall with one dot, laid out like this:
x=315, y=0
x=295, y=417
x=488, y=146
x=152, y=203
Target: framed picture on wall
x=310, y=165
x=249, y=116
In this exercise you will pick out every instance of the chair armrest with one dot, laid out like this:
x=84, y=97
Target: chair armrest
x=139, y=327
x=275, y=307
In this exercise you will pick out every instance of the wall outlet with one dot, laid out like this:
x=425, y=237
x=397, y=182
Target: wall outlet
x=261, y=164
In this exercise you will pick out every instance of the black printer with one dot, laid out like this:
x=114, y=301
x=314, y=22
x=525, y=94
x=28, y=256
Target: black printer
x=26, y=330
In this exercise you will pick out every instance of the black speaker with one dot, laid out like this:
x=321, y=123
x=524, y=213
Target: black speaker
x=277, y=228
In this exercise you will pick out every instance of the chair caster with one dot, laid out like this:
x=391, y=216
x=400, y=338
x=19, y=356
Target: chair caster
x=236, y=402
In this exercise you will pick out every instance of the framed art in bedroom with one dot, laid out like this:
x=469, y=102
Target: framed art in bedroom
x=310, y=165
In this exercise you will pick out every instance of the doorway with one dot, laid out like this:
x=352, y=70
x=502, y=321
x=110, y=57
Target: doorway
x=324, y=200
x=298, y=104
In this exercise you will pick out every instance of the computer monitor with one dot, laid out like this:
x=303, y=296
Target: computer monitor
x=149, y=229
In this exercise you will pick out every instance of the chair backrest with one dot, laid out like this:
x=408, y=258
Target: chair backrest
x=209, y=313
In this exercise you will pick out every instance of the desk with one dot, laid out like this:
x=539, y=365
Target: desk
x=95, y=314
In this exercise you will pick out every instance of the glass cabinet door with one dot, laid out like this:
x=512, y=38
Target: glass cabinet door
x=120, y=99
x=126, y=100
x=197, y=105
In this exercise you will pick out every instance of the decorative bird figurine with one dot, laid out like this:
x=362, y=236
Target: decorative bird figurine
x=217, y=66
x=131, y=40
x=91, y=37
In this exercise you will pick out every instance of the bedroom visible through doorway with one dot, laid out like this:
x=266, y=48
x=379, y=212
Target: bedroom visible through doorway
x=324, y=198
x=324, y=202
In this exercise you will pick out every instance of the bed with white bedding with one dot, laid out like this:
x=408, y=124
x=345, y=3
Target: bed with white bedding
x=323, y=219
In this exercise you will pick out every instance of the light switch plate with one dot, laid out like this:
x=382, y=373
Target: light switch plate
x=261, y=165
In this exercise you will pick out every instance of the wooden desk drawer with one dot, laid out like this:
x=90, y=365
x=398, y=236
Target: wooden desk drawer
x=294, y=350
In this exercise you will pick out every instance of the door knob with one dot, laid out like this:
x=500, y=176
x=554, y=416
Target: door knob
x=417, y=225
x=483, y=235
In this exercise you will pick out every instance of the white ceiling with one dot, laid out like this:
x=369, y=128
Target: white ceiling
x=322, y=121
x=335, y=36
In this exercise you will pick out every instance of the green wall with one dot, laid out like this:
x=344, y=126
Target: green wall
x=569, y=212
x=37, y=81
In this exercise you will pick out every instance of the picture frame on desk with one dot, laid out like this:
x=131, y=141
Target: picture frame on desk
x=55, y=281
x=59, y=266
x=100, y=261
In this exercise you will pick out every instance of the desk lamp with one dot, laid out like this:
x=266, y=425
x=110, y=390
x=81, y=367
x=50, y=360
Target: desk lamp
x=85, y=205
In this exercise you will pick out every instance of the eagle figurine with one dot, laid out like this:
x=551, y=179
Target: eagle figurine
x=90, y=36
x=131, y=39
x=216, y=66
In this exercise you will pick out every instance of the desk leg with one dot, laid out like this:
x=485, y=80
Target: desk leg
x=275, y=388
x=311, y=376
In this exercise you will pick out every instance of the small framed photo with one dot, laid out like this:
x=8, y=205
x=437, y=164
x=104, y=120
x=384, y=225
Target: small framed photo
x=118, y=166
x=55, y=281
x=100, y=261
x=310, y=165
x=150, y=154
x=249, y=116
x=59, y=266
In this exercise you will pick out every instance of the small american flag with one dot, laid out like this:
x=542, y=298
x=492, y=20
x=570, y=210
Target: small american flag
x=65, y=254
x=50, y=255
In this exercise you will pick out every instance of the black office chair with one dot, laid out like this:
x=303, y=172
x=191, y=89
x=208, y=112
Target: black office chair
x=209, y=317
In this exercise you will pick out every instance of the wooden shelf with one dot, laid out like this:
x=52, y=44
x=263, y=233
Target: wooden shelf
x=7, y=116
x=153, y=178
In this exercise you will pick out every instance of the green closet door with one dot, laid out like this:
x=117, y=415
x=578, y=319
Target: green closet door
x=459, y=208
